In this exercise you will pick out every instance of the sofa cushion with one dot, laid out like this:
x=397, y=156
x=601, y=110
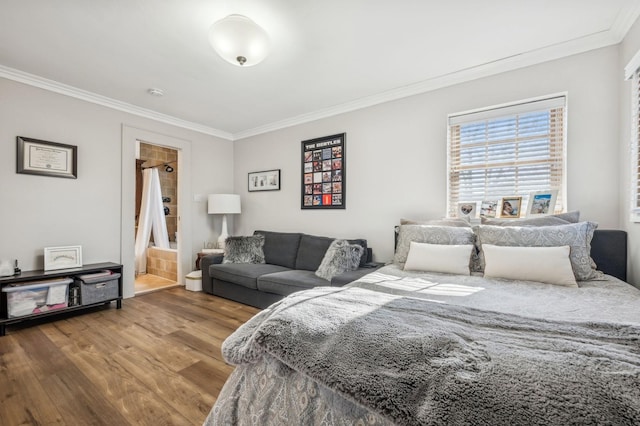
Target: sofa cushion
x=286, y=282
x=311, y=251
x=280, y=248
x=244, y=274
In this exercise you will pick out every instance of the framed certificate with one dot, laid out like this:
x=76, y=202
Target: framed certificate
x=37, y=157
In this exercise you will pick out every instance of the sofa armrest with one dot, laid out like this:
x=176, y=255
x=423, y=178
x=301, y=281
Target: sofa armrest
x=350, y=276
x=205, y=262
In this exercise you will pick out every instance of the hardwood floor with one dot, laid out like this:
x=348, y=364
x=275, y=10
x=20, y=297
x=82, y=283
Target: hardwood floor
x=156, y=361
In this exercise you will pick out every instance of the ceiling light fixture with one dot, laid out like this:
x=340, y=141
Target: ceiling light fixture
x=239, y=40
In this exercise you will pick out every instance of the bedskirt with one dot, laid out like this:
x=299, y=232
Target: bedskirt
x=267, y=393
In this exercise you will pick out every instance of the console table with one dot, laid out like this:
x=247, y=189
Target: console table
x=40, y=275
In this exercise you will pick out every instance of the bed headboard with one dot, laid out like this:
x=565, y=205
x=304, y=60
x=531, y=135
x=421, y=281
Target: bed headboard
x=608, y=250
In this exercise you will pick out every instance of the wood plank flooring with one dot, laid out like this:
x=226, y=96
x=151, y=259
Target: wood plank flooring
x=156, y=361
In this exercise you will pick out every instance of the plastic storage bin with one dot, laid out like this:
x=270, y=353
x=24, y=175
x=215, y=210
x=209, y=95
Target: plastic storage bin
x=99, y=287
x=193, y=281
x=37, y=297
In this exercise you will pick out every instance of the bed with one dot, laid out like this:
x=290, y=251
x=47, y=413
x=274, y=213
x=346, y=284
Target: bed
x=401, y=346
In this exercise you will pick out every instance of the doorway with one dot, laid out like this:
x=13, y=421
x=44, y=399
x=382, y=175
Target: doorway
x=130, y=137
x=160, y=268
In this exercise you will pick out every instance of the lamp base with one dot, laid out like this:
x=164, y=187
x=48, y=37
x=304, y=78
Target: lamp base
x=223, y=233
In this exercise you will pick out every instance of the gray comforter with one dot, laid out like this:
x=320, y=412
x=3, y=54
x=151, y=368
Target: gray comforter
x=342, y=356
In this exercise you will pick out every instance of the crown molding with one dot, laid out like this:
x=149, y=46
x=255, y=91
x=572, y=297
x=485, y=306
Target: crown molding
x=533, y=57
x=614, y=35
x=625, y=19
x=74, y=92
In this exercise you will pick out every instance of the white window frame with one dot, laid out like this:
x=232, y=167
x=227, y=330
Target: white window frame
x=632, y=72
x=504, y=110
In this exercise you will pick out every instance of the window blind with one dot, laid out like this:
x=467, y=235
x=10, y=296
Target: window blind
x=511, y=150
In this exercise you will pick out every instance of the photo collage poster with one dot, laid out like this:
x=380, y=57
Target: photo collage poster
x=323, y=173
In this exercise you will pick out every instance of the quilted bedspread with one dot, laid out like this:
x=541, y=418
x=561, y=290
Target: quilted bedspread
x=353, y=355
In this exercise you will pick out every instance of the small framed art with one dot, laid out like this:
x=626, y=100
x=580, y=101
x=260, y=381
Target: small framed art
x=488, y=208
x=62, y=257
x=510, y=207
x=36, y=157
x=324, y=173
x=268, y=180
x=467, y=210
x=542, y=203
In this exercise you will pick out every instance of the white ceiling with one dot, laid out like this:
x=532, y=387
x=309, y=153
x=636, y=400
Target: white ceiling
x=327, y=56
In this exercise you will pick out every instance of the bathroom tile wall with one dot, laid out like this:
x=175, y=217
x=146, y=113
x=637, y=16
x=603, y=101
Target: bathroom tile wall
x=157, y=155
x=162, y=263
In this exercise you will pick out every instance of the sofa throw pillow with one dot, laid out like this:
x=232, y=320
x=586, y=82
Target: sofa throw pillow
x=575, y=235
x=244, y=249
x=339, y=257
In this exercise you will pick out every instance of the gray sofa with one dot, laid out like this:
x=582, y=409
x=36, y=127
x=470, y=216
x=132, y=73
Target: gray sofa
x=291, y=260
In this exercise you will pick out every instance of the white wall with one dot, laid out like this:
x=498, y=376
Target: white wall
x=39, y=211
x=396, y=153
x=628, y=48
x=396, y=162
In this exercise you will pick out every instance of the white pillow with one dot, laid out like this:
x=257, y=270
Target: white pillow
x=549, y=265
x=450, y=259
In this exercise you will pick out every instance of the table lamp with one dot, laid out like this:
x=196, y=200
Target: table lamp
x=223, y=204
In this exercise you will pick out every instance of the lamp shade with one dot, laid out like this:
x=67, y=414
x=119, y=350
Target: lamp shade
x=223, y=204
x=239, y=40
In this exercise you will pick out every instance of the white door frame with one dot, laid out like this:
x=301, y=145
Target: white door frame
x=130, y=135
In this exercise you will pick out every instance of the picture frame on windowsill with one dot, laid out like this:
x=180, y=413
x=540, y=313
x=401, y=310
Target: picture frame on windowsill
x=542, y=203
x=510, y=207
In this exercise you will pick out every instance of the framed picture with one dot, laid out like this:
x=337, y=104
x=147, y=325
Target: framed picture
x=510, y=207
x=62, y=257
x=489, y=208
x=36, y=157
x=542, y=202
x=467, y=210
x=268, y=180
x=323, y=179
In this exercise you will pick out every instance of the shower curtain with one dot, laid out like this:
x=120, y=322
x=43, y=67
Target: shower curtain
x=151, y=219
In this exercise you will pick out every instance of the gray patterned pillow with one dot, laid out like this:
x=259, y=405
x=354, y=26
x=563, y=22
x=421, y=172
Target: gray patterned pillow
x=547, y=220
x=576, y=235
x=244, y=249
x=452, y=221
x=430, y=234
x=339, y=257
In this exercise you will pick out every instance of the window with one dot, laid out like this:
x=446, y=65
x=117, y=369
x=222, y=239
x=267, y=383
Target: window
x=508, y=150
x=632, y=72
